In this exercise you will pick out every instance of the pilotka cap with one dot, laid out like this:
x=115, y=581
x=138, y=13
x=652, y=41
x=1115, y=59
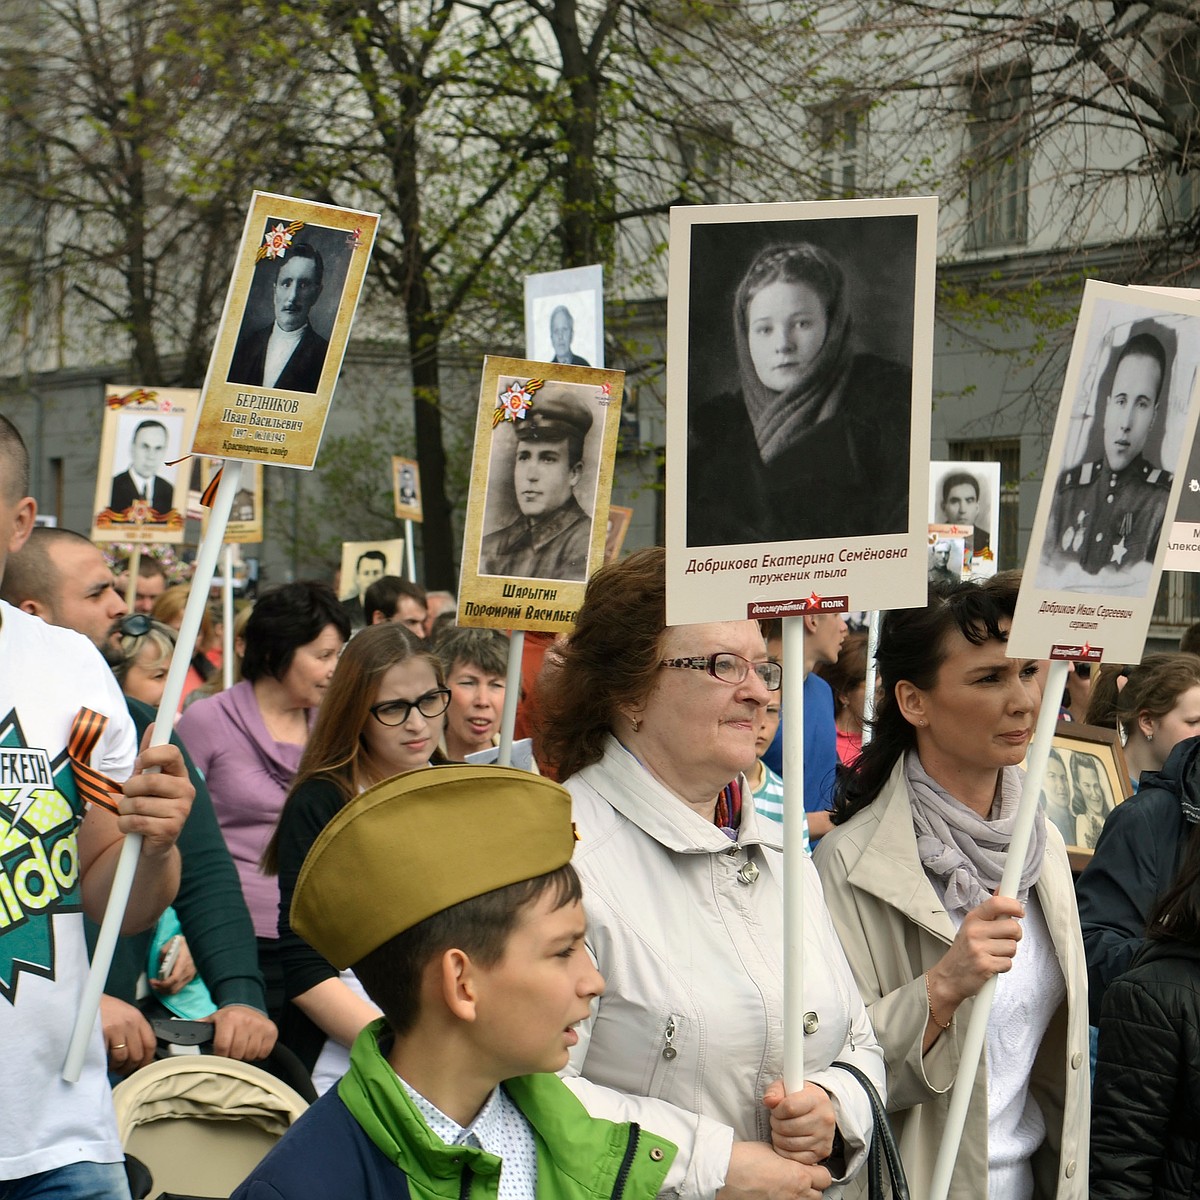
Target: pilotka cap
x=423, y=841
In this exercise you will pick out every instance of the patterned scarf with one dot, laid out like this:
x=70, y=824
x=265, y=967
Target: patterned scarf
x=960, y=849
x=728, y=817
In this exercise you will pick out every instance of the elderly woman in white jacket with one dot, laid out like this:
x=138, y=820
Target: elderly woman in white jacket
x=651, y=728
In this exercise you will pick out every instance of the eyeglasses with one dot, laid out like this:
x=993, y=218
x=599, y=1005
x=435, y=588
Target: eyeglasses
x=396, y=712
x=732, y=668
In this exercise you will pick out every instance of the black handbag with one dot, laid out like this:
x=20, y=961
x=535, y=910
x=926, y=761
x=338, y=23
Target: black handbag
x=883, y=1144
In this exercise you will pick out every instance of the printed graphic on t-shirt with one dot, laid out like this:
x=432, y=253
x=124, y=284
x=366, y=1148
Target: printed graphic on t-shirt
x=40, y=813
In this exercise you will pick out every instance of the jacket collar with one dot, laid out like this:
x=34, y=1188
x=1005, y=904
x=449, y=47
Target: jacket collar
x=634, y=792
x=889, y=868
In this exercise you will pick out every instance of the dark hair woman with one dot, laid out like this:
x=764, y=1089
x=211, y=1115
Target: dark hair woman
x=1146, y=1098
x=248, y=740
x=923, y=823
x=812, y=416
x=382, y=715
x=1140, y=849
x=652, y=728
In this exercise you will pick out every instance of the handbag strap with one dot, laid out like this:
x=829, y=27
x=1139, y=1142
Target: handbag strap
x=883, y=1142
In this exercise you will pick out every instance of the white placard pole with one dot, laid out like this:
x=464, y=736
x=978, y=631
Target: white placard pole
x=512, y=693
x=410, y=557
x=134, y=569
x=227, y=619
x=793, y=853
x=874, y=619
x=164, y=724
x=981, y=1010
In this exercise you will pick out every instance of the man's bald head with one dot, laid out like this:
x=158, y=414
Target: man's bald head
x=31, y=573
x=17, y=507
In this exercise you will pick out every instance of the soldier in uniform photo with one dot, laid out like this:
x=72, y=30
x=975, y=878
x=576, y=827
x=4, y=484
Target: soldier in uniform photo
x=939, y=563
x=1108, y=512
x=552, y=536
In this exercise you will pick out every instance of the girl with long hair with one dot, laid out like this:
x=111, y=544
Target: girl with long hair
x=382, y=715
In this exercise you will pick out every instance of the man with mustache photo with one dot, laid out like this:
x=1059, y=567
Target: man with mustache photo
x=288, y=354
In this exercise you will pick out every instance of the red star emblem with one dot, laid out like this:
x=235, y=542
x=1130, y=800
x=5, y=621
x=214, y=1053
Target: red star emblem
x=814, y=601
x=1087, y=649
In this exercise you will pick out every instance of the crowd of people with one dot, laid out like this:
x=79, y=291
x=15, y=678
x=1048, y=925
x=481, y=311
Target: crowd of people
x=326, y=867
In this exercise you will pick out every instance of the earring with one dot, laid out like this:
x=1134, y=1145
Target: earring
x=636, y=724
x=1150, y=737
x=924, y=722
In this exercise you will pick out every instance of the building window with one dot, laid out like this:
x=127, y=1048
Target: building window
x=1181, y=94
x=841, y=139
x=704, y=155
x=1007, y=452
x=998, y=129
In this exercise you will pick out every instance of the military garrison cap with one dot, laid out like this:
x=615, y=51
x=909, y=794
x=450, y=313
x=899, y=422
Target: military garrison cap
x=421, y=842
x=557, y=413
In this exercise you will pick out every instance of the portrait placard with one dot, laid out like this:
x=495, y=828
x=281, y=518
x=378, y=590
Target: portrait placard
x=799, y=375
x=139, y=498
x=283, y=332
x=1086, y=778
x=245, y=522
x=541, y=478
x=619, y=519
x=968, y=493
x=1125, y=421
x=406, y=488
x=365, y=562
x=949, y=556
x=1183, y=545
x=564, y=317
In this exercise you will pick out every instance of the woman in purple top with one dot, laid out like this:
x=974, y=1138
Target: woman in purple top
x=248, y=740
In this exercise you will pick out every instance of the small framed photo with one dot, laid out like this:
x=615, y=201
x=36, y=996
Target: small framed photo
x=406, y=488
x=619, y=519
x=950, y=553
x=968, y=493
x=1086, y=778
x=141, y=488
x=246, y=515
x=564, y=317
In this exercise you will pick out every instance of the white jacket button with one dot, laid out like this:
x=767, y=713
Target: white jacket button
x=1071, y=1169
x=811, y=1022
x=1076, y=1061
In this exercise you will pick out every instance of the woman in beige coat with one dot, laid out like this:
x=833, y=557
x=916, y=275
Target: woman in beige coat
x=922, y=827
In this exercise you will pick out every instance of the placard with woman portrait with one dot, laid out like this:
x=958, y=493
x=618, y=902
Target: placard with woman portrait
x=798, y=404
x=1112, y=479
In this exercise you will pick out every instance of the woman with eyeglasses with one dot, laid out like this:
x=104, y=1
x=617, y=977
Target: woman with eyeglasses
x=652, y=729
x=382, y=715
x=923, y=822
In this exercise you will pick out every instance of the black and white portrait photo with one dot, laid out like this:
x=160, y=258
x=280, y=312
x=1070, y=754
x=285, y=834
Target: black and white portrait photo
x=537, y=520
x=144, y=443
x=968, y=493
x=947, y=558
x=564, y=317
x=284, y=335
x=799, y=379
x=1122, y=449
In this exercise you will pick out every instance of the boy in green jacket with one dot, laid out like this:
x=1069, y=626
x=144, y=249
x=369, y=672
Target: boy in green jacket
x=451, y=893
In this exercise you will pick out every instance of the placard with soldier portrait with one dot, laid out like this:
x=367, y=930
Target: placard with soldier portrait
x=1112, y=482
x=141, y=488
x=406, y=488
x=799, y=384
x=541, y=479
x=291, y=302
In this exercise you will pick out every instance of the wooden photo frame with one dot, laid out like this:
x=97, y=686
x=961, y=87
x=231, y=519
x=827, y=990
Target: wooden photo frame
x=1086, y=778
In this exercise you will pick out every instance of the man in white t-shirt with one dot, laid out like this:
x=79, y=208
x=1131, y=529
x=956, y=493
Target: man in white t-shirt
x=62, y=720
